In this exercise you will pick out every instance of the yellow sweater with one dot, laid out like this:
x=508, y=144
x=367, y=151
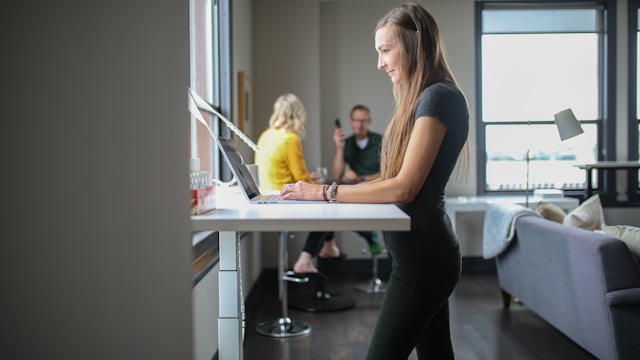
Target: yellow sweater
x=280, y=159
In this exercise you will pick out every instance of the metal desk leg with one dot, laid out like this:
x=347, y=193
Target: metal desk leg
x=589, y=183
x=283, y=326
x=375, y=285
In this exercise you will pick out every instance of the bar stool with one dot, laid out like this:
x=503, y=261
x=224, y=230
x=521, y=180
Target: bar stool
x=375, y=285
x=284, y=326
x=320, y=300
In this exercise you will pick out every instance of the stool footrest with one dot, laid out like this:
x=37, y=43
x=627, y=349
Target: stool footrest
x=372, y=286
x=295, y=277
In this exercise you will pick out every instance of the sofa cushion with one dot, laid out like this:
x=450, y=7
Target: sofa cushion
x=589, y=215
x=551, y=212
x=629, y=234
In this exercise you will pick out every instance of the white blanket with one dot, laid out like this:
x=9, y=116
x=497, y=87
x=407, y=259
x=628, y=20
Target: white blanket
x=499, y=227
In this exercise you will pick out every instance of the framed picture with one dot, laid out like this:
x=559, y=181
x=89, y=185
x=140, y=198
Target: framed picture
x=245, y=105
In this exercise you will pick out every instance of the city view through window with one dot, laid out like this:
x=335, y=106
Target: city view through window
x=526, y=79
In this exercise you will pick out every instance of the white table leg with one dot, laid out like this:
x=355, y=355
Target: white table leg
x=229, y=318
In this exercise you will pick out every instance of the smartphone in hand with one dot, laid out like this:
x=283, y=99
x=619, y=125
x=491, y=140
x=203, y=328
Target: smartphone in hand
x=338, y=123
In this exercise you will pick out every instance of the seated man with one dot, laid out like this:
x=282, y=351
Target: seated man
x=361, y=151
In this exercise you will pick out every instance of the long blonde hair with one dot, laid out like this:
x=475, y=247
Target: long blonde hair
x=424, y=63
x=289, y=114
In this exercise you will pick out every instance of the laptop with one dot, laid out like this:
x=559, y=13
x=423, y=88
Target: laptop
x=245, y=180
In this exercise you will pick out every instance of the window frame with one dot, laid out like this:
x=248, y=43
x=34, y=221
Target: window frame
x=633, y=185
x=606, y=127
x=226, y=95
x=217, y=89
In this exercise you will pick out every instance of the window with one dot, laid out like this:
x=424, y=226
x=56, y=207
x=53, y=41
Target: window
x=534, y=60
x=209, y=68
x=634, y=97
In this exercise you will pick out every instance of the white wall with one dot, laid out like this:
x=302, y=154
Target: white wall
x=96, y=238
x=349, y=69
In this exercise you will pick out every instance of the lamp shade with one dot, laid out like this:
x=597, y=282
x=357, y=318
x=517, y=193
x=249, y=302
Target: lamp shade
x=567, y=124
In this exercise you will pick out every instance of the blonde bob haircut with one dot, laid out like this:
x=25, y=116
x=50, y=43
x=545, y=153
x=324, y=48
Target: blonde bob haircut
x=289, y=114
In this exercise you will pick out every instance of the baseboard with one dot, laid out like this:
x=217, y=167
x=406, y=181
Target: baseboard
x=469, y=264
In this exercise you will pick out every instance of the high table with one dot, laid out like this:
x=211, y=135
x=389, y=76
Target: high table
x=614, y=165
x=461, y=204
x=234, y=215
x=458, y=204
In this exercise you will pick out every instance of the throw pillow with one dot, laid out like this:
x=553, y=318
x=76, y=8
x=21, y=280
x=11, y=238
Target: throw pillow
x=551, y=212
x=629, y=234
x=589, y=215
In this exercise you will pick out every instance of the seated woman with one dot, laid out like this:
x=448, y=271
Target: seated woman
x=281, y=161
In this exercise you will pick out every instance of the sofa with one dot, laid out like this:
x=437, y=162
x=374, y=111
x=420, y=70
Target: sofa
x=584, y=283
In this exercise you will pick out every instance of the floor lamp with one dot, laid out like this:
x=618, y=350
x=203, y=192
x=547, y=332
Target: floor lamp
x=568, y=126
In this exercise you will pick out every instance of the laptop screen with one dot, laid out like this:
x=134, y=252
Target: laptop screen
x=234, y=161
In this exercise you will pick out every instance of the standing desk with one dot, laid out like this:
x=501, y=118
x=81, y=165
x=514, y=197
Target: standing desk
x=234, y=215
x=613, y=165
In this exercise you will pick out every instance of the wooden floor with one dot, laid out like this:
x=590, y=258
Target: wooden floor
x=481, y=328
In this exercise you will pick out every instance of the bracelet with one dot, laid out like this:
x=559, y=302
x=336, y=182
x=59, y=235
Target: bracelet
x=333, y=192
x=324, y=192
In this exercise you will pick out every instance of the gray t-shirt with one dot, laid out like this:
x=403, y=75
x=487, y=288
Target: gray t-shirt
x=448, y=105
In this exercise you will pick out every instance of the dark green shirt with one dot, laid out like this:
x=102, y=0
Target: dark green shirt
x=363, y=161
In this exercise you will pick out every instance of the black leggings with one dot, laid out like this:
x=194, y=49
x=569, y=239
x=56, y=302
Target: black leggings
x=415, y=309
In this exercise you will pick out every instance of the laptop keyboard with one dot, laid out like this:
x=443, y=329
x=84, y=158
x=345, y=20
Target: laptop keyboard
x=270, y=197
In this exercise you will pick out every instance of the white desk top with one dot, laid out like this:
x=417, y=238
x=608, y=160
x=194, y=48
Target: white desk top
x=480, y=203
x=233, y=213
x=463, y=204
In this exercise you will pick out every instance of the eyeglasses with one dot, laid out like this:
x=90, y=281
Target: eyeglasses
x=363, y=121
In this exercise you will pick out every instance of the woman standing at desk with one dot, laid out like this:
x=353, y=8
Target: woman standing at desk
x=420, y=149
